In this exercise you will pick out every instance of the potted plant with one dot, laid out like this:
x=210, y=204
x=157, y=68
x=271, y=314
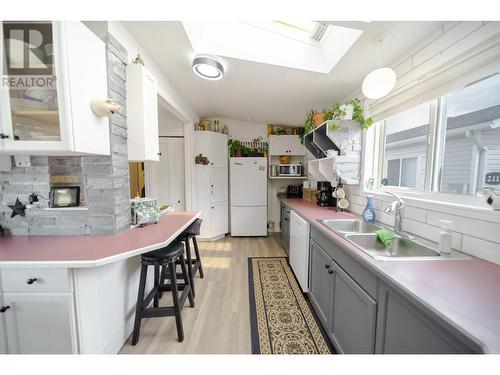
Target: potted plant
x=234, y=147
x=343, y=112
x=308, y=125
x=320, y=117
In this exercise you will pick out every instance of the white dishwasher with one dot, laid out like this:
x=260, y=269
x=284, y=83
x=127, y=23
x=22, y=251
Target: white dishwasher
x=299, y=249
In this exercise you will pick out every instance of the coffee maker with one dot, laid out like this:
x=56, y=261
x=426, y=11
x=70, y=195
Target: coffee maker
x=325, y=197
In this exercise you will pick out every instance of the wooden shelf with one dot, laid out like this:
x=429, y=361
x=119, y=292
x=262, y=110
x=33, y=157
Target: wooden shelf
x=38, y=115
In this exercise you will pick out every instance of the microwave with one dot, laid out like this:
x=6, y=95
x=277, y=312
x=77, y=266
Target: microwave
x=290, y=170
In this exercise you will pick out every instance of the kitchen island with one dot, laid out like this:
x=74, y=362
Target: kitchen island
x=75, y=294
x=416, y=306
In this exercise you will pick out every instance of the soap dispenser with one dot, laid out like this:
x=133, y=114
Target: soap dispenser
x=445, y=237
x=369, y=212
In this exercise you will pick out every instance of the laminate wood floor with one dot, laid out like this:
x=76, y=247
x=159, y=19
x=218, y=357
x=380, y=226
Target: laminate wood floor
x=220, y=321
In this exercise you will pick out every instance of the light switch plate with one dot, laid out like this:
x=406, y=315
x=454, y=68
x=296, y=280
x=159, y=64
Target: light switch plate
x=5, y=163
x=22, y=161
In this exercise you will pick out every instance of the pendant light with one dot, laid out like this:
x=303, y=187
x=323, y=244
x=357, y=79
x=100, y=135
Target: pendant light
x=381, y=81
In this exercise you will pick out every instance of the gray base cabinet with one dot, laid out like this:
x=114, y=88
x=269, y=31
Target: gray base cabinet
x=353, y=316
x=285, y=227
x=404, y=328
x=347, y=312
x=321, y=282
x=365, y=313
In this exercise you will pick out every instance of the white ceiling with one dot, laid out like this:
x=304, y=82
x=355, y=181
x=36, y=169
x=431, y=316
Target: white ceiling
x=267, y=93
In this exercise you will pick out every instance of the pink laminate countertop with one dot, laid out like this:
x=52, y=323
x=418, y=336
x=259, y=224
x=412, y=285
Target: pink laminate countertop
x=91, y=251
x=466, y=293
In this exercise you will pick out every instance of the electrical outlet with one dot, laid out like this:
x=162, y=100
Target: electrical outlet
x=22, y=161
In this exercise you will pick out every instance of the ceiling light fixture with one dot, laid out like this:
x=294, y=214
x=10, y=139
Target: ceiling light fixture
x=208, y=67
x=381, y=81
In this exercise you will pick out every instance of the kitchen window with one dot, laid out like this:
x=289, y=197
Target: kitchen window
x=448, y=145
x=405, y=147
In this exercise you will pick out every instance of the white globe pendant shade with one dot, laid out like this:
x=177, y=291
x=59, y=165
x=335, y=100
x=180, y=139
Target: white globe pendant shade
x=379, y=83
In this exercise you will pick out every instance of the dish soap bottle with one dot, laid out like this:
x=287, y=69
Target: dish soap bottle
x=445, y=237
x=369, y=212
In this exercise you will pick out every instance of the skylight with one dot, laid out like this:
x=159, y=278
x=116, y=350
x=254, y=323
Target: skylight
x=306, y=45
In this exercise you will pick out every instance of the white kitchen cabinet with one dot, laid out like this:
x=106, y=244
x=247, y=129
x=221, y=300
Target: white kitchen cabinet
x=40, y=323
x=46, y=109
x=3, y=333
x=285, y=145
x=142, y=114
x=219, y=219
x=218, y=185
x=169, y=172
x=211, y=184
x=219, y=150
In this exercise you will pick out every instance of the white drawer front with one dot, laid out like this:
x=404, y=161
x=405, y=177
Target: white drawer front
x=35, y=280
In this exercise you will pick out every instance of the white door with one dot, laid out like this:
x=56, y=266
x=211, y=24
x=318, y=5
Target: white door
x=299, y=249
x=40, y=323
x=279, y=144
x=203, y=197
x=248, y=180
x=219, y=150
x=296, y=148
x=163, y=172
x=170, y=173
x=3, y=333
x=178, y=168
x=219, y=218
x=218, y=184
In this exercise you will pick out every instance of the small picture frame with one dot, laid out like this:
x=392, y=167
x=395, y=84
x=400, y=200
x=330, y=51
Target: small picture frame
x=64, y=196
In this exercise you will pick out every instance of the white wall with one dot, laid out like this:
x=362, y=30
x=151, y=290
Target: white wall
x=165, y=89
x=168, y=124
x=243, y=130
x=476, y=232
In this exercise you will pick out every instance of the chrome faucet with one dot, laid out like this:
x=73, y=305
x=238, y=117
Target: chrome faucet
x=396, y=208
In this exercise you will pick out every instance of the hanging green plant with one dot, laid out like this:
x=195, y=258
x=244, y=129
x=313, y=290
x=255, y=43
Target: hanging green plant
x=308, y=125
x=339, y=112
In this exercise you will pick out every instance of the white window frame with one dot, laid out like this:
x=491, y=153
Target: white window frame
x=401, y=158
x=430, y=198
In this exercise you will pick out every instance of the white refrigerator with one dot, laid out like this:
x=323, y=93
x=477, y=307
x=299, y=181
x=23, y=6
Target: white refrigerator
x=248, y=196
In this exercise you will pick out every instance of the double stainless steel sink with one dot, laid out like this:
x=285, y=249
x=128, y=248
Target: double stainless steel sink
x=403, y=247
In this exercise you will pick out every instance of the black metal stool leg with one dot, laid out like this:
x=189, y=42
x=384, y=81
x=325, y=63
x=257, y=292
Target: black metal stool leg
x=175, y=297
x=163, y=277
x=189, y=265
x=198, y=258
x=187, y=282
x=156, y=300
x=139, y=307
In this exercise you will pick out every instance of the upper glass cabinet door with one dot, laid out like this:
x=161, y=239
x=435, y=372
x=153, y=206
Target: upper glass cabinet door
x=29, y=82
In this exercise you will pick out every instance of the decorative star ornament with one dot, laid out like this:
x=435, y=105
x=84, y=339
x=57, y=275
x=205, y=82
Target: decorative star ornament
x=18, y=208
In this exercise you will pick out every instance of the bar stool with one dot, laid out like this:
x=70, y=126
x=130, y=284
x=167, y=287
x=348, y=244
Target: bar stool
x=166, y=258
x=193, y=265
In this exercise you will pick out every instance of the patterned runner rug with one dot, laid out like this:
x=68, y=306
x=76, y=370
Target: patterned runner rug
x=281, y=320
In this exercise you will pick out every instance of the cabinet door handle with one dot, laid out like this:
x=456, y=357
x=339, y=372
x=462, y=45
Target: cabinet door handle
x=4, y=309
x=158, y=153
x=327, y=266
x=330, y=272
x=3, y=136
x=31, y=281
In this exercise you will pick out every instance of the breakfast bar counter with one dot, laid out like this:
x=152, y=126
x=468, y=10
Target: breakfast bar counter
x=91, y=251
x=76, y=294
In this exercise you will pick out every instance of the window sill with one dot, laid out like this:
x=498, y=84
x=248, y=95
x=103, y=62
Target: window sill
x=465, y=206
